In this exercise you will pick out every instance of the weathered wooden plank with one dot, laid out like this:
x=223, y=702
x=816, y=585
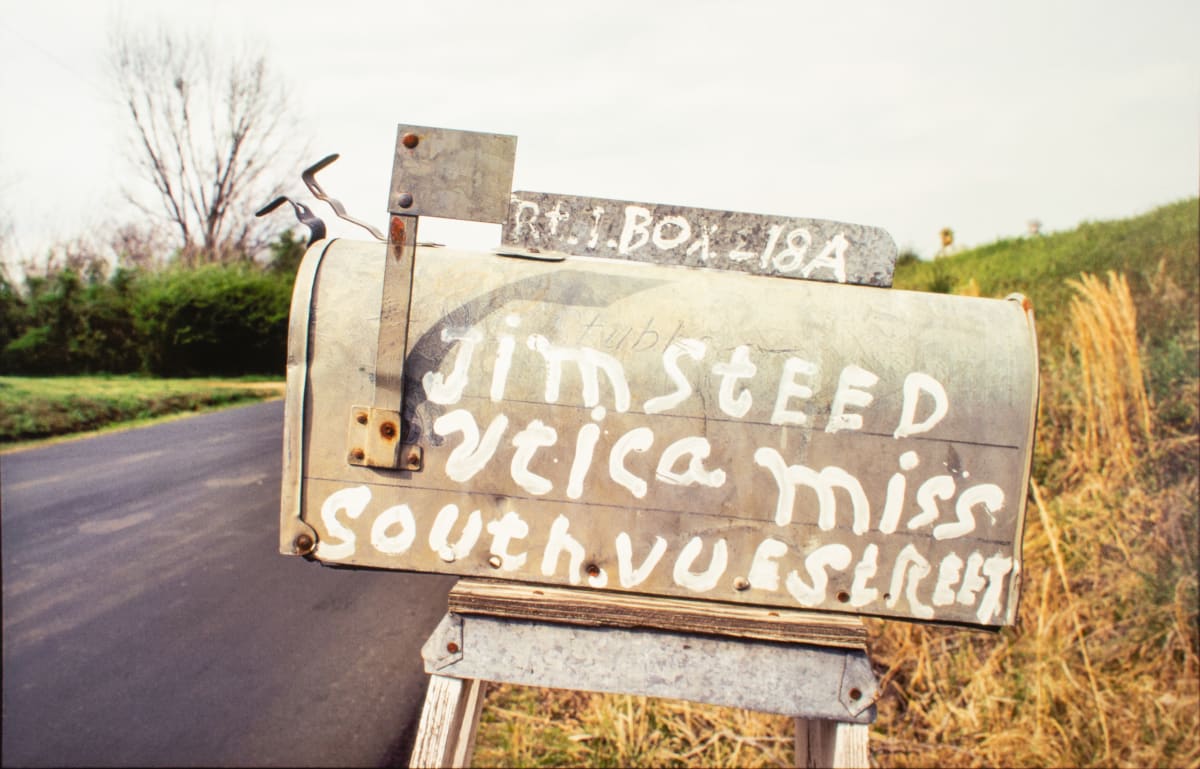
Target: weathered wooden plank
x=464, y=748
x=835, y=744
x=609, y=609
x=449, y=719
x=779, y=246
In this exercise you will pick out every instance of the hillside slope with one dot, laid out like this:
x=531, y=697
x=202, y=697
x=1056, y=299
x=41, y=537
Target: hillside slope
x=1103, y=667
x=1161, y=243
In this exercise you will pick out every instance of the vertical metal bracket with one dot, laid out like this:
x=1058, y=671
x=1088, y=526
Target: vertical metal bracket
x=373, y=436
x=393, y=312
x=437, y=172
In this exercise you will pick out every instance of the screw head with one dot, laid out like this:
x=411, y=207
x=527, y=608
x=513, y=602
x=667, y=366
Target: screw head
x=741, y=583
x=495, y=562
x=361, y=418
x=387, y=430
x=855, y=695
x=593, y=570
x=452, y=647
x=405, y=200
x=303, y=544
x=410, y=140
x=358, y=455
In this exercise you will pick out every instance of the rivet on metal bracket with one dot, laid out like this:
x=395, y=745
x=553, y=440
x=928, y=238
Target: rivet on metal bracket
x=858, y=688
x=445, y=645
x=303, y=544
x=373, y=438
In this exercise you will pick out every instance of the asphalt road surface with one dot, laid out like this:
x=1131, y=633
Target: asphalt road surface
x=148, y=618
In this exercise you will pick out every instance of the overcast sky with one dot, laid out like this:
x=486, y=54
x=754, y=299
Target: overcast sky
x=908, y=116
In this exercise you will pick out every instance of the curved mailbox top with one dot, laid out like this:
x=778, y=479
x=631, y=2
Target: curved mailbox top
x=671, y=431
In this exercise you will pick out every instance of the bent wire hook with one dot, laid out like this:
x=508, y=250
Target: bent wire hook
x=309, y=175
x=315, y=226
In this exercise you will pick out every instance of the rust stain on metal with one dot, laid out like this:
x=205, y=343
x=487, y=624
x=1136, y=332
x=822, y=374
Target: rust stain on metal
x=387, y=431
x=361, y=418
x=396, y=232
x=303, y=544
x=397, y=238
x=452, y=647
x=358, y=454
x=410, y=140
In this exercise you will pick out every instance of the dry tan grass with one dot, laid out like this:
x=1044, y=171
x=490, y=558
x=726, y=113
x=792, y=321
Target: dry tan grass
x=1115, y=419
x=548, y=727
x=1102, y=669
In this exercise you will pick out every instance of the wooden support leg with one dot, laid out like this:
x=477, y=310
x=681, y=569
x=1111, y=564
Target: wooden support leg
x=822, y=743
x=446, y=731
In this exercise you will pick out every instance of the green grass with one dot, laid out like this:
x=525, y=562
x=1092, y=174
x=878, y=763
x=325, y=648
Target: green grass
x=1151, y=249
x=33, y=408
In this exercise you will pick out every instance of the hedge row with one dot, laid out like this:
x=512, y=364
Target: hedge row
x=215, y=320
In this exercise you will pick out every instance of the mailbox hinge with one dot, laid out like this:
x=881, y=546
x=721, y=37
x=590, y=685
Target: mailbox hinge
x=374, y=440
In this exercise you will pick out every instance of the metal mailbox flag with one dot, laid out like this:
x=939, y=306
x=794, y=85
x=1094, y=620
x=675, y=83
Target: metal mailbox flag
x=632, y=426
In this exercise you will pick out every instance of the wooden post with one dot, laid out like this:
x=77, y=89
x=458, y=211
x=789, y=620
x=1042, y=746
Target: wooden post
x=446, y=731
x=821, y=743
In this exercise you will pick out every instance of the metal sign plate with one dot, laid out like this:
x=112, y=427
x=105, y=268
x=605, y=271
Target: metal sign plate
x=452, y=174
x=673, y=432
x=779, y=246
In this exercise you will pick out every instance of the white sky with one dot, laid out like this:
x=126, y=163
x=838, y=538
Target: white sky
x=911, y=116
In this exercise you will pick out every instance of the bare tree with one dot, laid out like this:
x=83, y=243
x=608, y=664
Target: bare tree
x=208, y=131
x=138, y=246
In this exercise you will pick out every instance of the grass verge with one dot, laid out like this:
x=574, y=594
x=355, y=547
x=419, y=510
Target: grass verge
x=36, y=408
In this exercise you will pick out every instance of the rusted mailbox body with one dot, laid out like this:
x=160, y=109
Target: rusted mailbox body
x=666, y=430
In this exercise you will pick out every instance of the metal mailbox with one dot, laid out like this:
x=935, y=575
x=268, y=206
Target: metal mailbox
x=666, y=430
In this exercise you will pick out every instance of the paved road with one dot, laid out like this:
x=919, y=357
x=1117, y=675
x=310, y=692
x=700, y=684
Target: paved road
x=148, y=619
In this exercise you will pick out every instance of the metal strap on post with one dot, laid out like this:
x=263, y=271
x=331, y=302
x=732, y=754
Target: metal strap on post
x=375, y=430
x=436, y=172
